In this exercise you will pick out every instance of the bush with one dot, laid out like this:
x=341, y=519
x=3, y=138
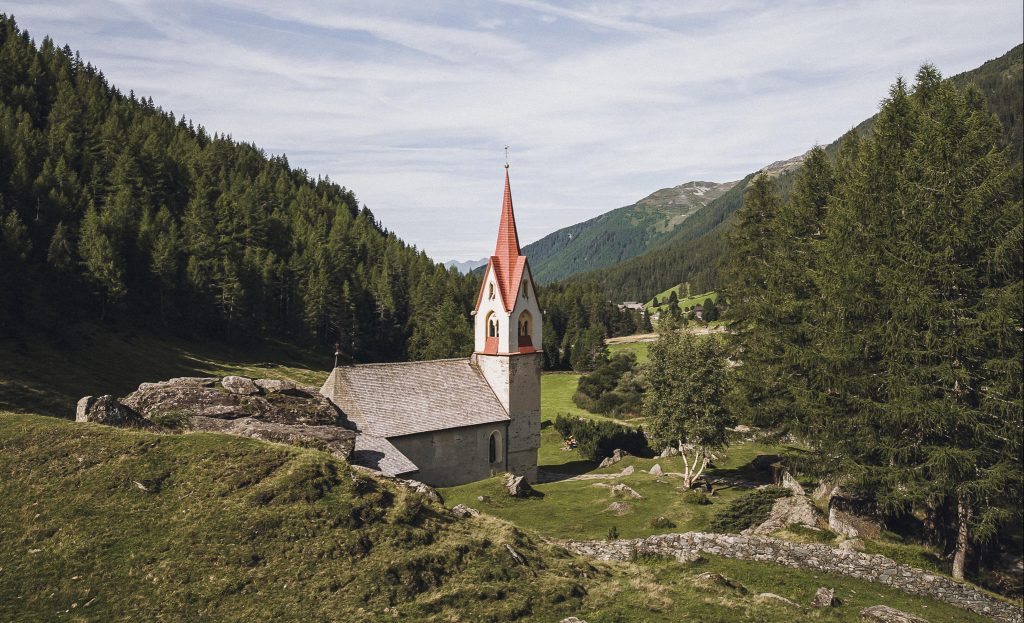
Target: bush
x=613, y=388
x=596, y=440
x=698, y=498
x=747, y=511
x=662, y=523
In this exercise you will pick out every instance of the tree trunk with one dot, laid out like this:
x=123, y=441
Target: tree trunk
x=962, y=539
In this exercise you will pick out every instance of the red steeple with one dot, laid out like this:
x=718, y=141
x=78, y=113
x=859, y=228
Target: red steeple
x=508, y=262
x=508, y=239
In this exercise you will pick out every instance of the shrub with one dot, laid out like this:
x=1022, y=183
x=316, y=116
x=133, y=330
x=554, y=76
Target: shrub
x=613, y=533
x=613, y=388
x=698, y=498
x=749, y=510
x=662, y=522
x=596, y=440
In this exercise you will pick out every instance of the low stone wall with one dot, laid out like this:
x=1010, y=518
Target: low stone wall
x=813, y=557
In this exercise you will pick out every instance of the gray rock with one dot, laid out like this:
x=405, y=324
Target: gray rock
x=516, y=486
x=422, y=488
x=572, y=620
x=852, y=545
x=788, y=482
x=885, y=614
x=852, y=526
x=717, y=580
x=824, y=598
x=461, y=510
x=608, y=462
x=786, y=512
x=335, y=440
x=483, y=498
x=626, y=491
x=772, y=597
x=240, y=385
x=108, y=410
x=656, y=470
x=274, y=386
x=619, y=508
x=626, y=471
x=618, y=454
x=516, y=556
x=669, y=451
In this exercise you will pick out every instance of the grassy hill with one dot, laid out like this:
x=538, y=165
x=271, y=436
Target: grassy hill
x=684, y=300
x=694, y=249
x=620, y=234
x=101, y=524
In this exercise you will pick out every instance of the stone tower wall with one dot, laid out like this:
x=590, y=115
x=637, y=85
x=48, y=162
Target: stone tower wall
x=515, y=380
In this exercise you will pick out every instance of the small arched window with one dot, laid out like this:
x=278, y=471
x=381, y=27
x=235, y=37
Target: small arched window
x=490, y=290
x=524, y=324
x=492, y=450
x=526, y=290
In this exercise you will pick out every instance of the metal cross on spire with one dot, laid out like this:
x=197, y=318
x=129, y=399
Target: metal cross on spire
x=506, y=156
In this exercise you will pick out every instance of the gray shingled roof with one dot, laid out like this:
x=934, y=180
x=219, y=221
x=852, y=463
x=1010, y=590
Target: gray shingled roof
x=394, y=399
x=378, y=453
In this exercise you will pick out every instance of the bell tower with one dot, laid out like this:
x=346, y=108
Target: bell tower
x=507, y=341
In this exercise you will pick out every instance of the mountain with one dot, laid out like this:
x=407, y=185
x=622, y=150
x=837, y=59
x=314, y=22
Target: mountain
x=693, y=251
x=618, y=235
x=465, y=267
x=113, y=210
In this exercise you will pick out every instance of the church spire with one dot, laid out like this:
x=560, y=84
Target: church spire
x=507, y=247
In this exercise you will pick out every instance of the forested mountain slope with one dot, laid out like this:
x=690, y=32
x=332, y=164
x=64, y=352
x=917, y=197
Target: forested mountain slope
x=113, y=210
x=621, y=234
x=694, y=250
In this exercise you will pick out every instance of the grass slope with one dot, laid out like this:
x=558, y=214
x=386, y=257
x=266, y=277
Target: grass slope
x=100, y=524
x=37, y=376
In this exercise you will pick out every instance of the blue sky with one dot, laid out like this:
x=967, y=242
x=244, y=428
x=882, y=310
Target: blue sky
x=410, y=104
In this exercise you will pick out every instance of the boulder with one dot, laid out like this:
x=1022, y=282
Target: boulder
x=274, y=386
x=824, y=598
x=483, y=498
x=335, y=440
x=422, y=488
x=626, y=491
x=619, y=508
x=788, y=482
x=825, y=490
x=656, y=470
x=618, y=454
x=516, y=486
x=787, y=511
x=669, y=451
x=572, y=620
x=885, y=614
x=461, y=510
x=626, y=471
x=852, y=545
x=717, y=580
x=772, y=597
x=108, y=410
x=852, y=526
x=240, y=385
x=607, y=462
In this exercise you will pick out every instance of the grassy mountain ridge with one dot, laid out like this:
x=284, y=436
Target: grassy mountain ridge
x=694, y=250
x=619, y=234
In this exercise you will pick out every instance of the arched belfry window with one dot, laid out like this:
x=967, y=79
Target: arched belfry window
x=526, y=289
x=492, y=325
x=525, y=322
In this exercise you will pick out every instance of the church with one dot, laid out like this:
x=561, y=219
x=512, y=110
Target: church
x=452, y=421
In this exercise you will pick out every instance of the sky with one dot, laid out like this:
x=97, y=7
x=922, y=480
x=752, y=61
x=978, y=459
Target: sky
x=410, y=104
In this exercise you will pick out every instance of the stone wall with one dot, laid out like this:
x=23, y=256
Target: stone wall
x=813, y=557
x=454, y=456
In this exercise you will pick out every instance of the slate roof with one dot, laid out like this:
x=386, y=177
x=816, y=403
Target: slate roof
x=378, y=453
x=395, y=399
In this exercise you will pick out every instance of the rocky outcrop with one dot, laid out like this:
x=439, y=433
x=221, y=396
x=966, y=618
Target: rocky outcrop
x=885, y=614
x=808, y=556
x=852, y=526
x=265, y=409
x=788, y=482
x=332, y=439
x=108, y=410
x=616, y=456
x=788, y=511
x=461, y=510
x=717, y=580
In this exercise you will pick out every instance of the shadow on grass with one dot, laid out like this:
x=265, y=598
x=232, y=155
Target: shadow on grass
x=555, y=473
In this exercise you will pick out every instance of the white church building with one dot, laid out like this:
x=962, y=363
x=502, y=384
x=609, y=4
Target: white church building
x=452, y=421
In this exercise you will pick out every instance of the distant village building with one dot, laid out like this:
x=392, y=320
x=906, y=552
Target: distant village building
x=452, y=421
x=631, y=306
